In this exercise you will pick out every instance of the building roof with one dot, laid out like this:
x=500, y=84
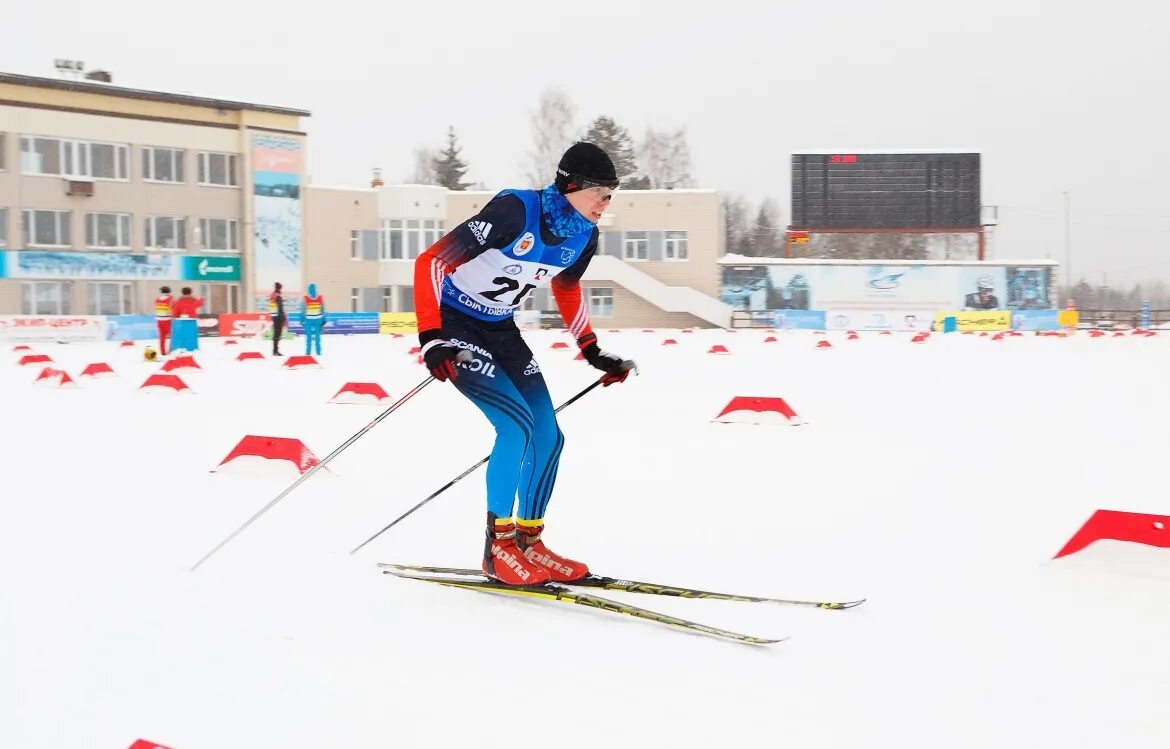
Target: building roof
x=733, y=259
x=110, y=89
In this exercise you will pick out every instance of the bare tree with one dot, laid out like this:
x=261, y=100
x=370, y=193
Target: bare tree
x=424, y=167
x=665, y=158
x=736, y=224
x=552, y=134
x=767, y=233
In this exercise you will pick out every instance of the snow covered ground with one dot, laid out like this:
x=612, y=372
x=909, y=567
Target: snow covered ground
x=934, y=479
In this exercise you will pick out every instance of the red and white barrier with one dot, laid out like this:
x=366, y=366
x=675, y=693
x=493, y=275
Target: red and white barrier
x=29, y=359
x=165, y=383
x=185, y=363
x=97, y=369
x=1125, y=542
x=258, y=451
x=54, y=378
x=301, y=362
x=360, y=393
x=744, y=409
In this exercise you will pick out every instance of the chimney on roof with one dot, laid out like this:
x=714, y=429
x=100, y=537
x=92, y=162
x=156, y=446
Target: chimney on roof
x=377, y=180
x=102, y=76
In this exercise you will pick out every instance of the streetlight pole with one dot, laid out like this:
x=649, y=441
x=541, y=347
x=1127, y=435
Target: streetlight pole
x=1067, y=249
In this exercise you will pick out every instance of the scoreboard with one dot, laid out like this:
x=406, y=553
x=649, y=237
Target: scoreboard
x=885, y=190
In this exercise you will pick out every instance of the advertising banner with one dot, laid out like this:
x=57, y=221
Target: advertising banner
x=244, y=324
x=208, y=326
x=798, y=319
x=90, y=266
x=855, y=319
x=117, y=266
x=70, y=328
x=131, y=328
x=1036, y=319
x=211, y=269
x=405, y=322
x=905, y=289
x=277, y=163
x=967, y=320
x=340, y=323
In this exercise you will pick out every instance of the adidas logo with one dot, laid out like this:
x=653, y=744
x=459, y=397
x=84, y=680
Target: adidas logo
x=532, y=368
x=480, y=229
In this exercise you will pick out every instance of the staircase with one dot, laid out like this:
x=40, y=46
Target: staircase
x=668, y=298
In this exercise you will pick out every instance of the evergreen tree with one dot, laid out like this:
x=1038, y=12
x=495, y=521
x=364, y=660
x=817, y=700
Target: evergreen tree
x=449, y=168
x=616, y=141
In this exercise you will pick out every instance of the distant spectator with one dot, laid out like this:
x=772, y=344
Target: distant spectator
x=163, y=312
x=276, y=311
x=313, y=318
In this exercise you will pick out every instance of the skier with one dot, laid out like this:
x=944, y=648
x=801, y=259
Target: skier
x=276, y=311
x=164, y=310
x=466, y=287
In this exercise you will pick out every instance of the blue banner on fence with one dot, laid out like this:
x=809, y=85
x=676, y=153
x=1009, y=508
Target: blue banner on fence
x=341, y=323
x=798, y=318
x=130, y=328
x=1036, y=319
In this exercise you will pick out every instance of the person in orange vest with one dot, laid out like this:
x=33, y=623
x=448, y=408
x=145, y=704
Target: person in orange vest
x=187, y=307
x=164, y=310
x=313, y=318
x=276, y=312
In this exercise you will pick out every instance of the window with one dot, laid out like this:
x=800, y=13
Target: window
x=165, y=233
x=219, y=234
x=355, y=250
x=162, y=164
x=387, y=298
x=392, y=240
x=111, y=230
x=3, y=150
x=432, y=230
x=45, y=298
x=45, y=228
x=601, y=302
x=217, y=169
x=676, y=246
x=355, y=300
x=110, y=298
x=413, y=237
x=74, y=158
x=634, y=246
x=218, y=298
x=3, y=227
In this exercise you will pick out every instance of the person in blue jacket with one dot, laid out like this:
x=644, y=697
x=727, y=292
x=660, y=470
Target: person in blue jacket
x=313, y=318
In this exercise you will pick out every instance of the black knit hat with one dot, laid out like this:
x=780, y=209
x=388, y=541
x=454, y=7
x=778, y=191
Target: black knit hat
x=585, y=165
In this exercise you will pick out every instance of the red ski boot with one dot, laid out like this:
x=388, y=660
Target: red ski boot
x=559, y=569
x=503, y=560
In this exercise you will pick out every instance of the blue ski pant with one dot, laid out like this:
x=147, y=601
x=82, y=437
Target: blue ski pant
x=313, y=335
x=504, y=382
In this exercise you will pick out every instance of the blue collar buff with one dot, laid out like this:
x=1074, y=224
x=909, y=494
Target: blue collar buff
x=560, y=217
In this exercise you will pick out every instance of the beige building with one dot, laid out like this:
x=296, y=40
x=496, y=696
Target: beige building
x=107, y=193
x=656, y=266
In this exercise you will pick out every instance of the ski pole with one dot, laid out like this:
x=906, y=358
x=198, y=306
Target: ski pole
x=463, y=356
x=461, y=476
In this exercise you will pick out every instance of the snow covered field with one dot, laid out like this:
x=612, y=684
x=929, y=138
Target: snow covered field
x=934, y=479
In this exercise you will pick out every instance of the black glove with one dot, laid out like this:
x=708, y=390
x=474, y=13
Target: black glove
x=616, y=368
x=440, y=356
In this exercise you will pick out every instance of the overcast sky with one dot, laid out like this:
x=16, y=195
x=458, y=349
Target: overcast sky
x=1058, y=96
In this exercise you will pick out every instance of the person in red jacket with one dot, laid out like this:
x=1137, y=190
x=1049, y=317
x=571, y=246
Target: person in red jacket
x=163, y=312
x=187, y=305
